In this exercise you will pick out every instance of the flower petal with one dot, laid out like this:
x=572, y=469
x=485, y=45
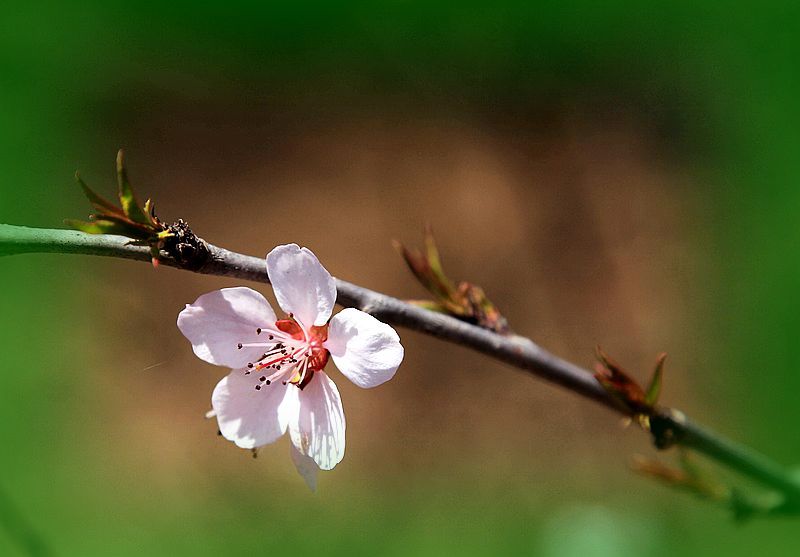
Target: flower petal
x=302, y=285
x=318, y=428
x=249, y=417
x=306, y=467
x=366, y=351
x=221, y=319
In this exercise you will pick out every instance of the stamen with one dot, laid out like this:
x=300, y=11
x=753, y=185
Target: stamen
x=293, y=358
x=276, y=363
x=268, y=379
x=252, y=344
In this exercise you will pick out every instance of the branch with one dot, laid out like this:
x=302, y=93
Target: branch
x=666, y=424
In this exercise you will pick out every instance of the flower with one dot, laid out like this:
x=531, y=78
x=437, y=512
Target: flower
x=277, y=381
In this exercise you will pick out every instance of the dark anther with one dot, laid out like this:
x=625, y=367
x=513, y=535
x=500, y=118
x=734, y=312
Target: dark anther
x=250, y=365
x=268, y=381
x=262, y=378
x=258, y=387
x=239, y=346
x=258, y=331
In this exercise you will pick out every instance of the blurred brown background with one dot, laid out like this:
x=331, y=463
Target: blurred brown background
x=580, y=231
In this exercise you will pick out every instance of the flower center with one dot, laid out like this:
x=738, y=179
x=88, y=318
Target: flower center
x=292, y=353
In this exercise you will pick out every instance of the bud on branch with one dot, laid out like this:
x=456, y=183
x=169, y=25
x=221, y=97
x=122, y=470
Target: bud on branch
x=140, y=223
x=466, y=301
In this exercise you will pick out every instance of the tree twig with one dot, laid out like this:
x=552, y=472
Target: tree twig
x=515, y=350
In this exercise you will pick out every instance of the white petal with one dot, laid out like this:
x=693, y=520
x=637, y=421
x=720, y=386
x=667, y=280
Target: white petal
x=221, y=319
x=302, y=285
x=306, y=467
x=318, y=430
x=366, y=351
x=249, y=417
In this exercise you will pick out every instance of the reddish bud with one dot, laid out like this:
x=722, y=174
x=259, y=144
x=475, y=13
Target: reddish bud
x=465, y=301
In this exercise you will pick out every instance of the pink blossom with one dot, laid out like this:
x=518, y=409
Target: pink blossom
x=277, y=381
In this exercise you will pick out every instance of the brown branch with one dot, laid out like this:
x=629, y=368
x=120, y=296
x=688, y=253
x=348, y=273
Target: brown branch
x=517, y=351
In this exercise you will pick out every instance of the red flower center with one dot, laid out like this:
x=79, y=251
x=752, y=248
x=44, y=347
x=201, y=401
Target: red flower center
x=316, y=355
x=293, y=354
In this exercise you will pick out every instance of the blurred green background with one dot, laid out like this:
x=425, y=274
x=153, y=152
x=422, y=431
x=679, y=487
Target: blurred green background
x=610, y=173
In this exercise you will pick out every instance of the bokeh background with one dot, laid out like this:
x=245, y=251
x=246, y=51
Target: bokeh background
x=611, y=173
